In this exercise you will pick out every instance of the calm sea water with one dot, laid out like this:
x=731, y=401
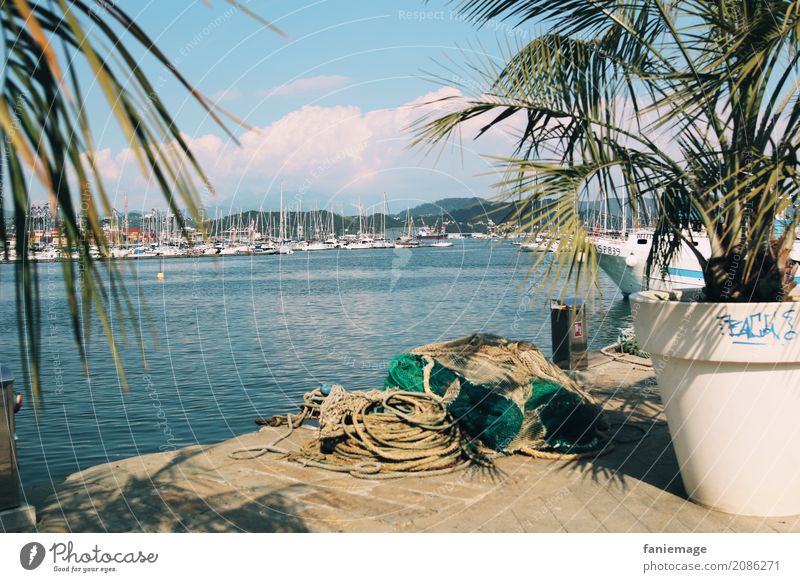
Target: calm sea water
x=231, y=339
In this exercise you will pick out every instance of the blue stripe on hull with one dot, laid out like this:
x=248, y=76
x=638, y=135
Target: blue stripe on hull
x=692, y=274
x=689, y=273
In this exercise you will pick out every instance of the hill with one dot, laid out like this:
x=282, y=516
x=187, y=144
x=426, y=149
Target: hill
x=446, y=206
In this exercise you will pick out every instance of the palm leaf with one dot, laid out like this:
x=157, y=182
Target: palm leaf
x=45, y=135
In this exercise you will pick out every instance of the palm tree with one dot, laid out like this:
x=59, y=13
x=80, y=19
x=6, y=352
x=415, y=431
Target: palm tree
x=45, y=138
x=688, y=108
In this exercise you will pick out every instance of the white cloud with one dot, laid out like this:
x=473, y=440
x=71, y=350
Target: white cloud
x=106, y=165
x=307, y=86
x=333, y=155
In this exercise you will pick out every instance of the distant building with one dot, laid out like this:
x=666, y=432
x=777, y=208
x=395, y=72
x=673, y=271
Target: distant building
x=132, y=235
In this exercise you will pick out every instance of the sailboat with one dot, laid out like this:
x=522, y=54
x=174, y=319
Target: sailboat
x=539, y=245
x=363, y=240
x=284, y=245
x=380, y=239
x=406, y=240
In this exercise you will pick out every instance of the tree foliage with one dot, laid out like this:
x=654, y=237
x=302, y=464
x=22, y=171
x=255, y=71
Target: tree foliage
x=692, y=105
x=46, y=143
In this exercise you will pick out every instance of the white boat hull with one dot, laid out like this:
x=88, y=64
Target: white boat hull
x=624, y=260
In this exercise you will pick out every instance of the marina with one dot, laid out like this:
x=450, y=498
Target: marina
x=458, y=266
x=164, y=235
x=622, y=252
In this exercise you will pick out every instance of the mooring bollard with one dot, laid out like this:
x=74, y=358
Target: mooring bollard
x=568, y=328
x=14, y=515
x=9, y=475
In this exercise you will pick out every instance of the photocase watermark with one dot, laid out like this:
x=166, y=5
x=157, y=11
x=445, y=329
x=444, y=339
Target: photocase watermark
x=13, y=129
x=470, y=86
x=544, y=512
x=202, y=35
x=53, y=336
x=523, y=309
x=31, y=555
x=400, y=258
x=66, y=558
x=677, y=341
x=423, y=15
x=494, y=25
x=322, y=168
x=163, y=424
x=347, y=360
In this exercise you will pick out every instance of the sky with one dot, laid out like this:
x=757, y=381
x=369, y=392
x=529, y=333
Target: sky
x=330, y=106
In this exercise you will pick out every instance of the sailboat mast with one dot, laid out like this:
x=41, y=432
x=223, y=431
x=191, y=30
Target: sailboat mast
x=281, y=228
x=624, y=219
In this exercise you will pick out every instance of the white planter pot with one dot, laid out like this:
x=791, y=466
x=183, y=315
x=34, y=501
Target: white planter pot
x=729, y=376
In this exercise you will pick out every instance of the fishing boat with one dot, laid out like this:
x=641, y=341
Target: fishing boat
x=623, y=256
x=428, y=234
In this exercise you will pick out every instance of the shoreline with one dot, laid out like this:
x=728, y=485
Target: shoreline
x=295, y=251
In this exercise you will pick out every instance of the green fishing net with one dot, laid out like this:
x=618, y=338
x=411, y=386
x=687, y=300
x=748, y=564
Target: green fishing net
x=506, y=394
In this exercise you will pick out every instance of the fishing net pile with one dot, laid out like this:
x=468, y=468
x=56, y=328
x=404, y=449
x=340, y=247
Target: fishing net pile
x=506, y=394
x=441, y=407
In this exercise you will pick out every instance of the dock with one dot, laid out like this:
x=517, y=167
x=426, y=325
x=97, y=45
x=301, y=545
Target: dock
x=634, y=488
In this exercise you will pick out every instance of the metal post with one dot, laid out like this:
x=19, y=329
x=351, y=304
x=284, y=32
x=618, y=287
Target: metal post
x=9, y=475
x=14, y=514
x=569, y=333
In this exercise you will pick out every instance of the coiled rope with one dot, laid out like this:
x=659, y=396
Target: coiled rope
x=376, y=435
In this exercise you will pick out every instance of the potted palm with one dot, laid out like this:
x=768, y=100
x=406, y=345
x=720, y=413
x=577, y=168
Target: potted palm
x=689, y=114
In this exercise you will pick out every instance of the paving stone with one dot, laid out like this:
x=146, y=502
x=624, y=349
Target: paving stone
x=607, y=509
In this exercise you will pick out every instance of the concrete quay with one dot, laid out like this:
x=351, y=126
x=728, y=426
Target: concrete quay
x=634, y=488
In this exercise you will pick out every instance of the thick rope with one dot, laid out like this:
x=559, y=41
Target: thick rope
x=383, y=435
x=426, y=374
x=452, y=391
x=552, y=456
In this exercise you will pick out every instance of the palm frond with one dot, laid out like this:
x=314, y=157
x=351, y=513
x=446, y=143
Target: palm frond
x=46, y=138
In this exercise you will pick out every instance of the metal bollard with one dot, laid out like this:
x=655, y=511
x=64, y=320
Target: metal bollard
x=568, y=328
x=9, y=472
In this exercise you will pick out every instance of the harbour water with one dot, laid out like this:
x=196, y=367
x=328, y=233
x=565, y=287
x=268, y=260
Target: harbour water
x=229, y=339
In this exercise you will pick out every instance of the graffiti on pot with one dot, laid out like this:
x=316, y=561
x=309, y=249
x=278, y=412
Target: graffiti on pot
x=769, y=327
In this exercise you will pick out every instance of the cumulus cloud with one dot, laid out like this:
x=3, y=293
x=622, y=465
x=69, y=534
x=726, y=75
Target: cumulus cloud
x=307, y=86
x=332, y=156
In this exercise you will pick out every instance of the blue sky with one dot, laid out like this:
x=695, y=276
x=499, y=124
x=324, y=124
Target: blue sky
x=331, y=102
x=384, y=48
